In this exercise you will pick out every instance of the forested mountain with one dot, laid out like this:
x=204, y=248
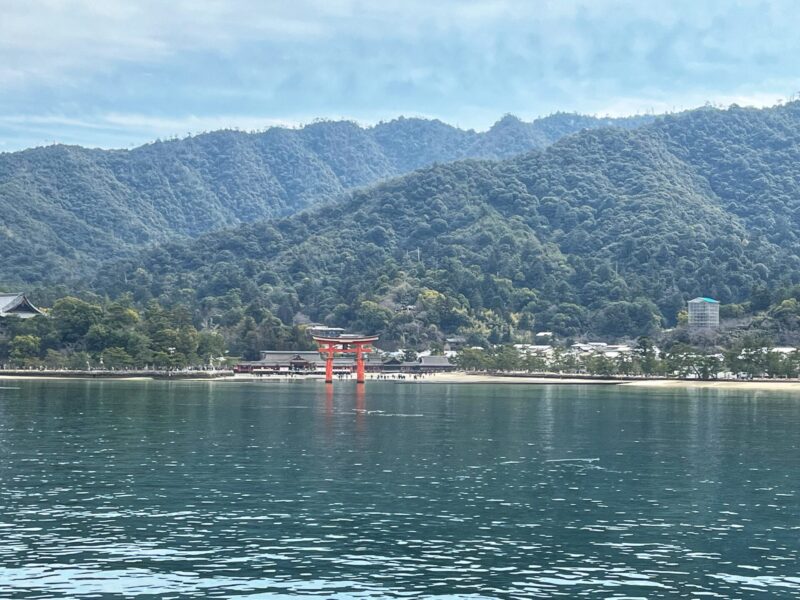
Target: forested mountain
x=607, y=231
x=65, y=209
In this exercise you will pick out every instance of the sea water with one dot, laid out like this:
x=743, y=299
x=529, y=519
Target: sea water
x=280, y=490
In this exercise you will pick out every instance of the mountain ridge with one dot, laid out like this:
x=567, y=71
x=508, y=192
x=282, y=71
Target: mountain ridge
x=65, y=209
x=607, y=232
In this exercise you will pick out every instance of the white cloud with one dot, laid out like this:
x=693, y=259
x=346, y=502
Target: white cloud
x=59, y=39
x=143, y=69
x=134, y=128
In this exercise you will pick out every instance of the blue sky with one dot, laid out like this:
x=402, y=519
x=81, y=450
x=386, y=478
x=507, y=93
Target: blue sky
x=115, y=73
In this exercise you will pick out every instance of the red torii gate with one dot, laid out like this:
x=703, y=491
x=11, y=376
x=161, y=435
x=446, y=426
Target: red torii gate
x=345, y=344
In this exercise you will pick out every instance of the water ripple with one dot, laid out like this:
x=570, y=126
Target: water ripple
x=195, y=491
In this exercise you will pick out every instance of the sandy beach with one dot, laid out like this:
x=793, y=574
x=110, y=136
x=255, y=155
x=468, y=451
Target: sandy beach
x=107, y=376
x=458, y=377
x=475, y=378
x=469, y=378
x=784, y=385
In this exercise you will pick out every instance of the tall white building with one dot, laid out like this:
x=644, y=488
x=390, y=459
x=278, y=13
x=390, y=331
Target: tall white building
x=703, y=313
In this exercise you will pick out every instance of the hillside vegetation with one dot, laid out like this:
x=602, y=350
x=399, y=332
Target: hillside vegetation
x=66, y=209
x=605, y=232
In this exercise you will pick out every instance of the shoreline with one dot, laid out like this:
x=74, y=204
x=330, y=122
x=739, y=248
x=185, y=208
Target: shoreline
x=723, y=384
x=511, y=379
x=114, y=375
x=456, y=378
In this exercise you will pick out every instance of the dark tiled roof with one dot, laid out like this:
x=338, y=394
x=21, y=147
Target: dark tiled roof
x=17, y=304
x=434, y=361
x=280, y=356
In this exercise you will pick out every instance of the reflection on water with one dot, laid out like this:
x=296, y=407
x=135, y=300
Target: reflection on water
x=261, y=490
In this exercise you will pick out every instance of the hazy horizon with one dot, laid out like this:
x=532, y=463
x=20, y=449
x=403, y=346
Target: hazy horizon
x=302, y=125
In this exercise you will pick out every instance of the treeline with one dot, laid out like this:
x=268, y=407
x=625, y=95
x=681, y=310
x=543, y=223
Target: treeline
x=94, y=332
x=749, y=358
x=78, y=334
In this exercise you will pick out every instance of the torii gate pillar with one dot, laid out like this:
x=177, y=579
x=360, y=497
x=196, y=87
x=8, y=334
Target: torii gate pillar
x=360, y=375
x=328, y=365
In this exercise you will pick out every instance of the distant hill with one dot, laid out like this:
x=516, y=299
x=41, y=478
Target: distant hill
x=66, y=209
x=605, y=232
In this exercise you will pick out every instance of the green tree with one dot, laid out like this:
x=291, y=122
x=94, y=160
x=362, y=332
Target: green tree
x=535, y=363
x=117, y=358
x=25, y=347
x=371, y=317
x=645, y=351
x=73, y=318
x=506, y=358
x=748, y=356
x=55, y=360
x=210, y=345
x=472, y=359
x=600, y=364
x=618, y=319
